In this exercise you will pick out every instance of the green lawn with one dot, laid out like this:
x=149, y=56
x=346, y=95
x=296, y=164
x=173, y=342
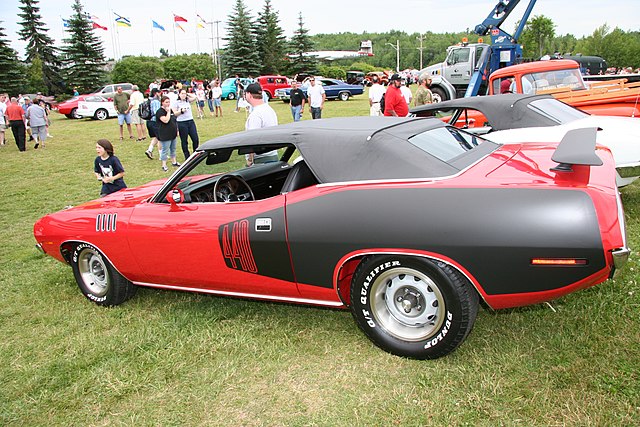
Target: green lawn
x=171, y=358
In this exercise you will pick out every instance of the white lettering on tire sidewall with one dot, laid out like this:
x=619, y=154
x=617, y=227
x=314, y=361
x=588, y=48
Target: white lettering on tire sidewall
x=74, y=257
x=364, y=289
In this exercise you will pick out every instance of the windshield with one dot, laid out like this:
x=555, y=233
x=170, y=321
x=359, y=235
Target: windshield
x=557, y=111
x=446, y=143
x=546, y=80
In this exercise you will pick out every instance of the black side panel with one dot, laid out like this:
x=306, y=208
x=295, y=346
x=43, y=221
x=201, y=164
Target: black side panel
x=493, y=233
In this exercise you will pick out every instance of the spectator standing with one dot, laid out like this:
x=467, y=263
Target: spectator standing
x=152, y=124
x=239, y=92
x=167, y=132
x=37, y=116
x=122, y=106
x=216, y=95
x=200, y=96
x=394, y=102
x=17, y=121
x=375, y=95
x=3, y=113
x=135, y=100
x=108, y=168
x=423, y=93
x=262, y=116
x=209, y=95
x=186, y=124
x=406, y=92
x=26, y=103
x=297, y=99
x=316, y=95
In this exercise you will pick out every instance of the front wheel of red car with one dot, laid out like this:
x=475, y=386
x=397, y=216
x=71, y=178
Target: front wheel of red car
x=413, y=307
x=97, y=279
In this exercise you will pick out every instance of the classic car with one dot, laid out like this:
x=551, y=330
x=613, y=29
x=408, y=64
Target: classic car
x=96, y=107
x=541, y=118
x=270, y=84
x=333, y=89
x=228, y=87
x=49, y=100
x=108, y=91
x=407, y=222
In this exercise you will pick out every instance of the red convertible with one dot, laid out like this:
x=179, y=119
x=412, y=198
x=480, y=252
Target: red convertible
x=407, y=222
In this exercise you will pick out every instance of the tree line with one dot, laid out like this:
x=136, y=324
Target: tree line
x=257, y=46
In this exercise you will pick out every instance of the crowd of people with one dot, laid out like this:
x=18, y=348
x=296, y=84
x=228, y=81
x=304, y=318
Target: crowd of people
x=167, y=115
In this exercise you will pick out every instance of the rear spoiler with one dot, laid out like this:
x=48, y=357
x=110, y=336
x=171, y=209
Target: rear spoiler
x=578, y=147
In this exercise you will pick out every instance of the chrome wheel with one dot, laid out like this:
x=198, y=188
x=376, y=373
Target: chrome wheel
x=93, y=272
x=102, y=114
x=408, y=304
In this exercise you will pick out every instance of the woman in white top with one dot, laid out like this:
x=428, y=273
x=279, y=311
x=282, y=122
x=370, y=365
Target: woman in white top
x=186, y=124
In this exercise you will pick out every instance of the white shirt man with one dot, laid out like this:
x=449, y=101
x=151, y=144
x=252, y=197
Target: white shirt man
x=216, y=92
x=406, y=92
x=262, y=116
x=316, y=96
x=375, y=95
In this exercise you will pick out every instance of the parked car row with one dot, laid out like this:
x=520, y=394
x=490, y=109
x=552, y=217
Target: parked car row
x=333, y=89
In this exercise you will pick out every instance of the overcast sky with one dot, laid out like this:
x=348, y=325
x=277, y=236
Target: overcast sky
x=579, y=18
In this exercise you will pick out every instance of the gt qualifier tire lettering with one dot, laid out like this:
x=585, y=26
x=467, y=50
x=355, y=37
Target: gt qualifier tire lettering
x=96, y=277
x=411, y=306
x=236, y=245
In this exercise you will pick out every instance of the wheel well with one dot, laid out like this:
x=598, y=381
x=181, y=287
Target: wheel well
x=348, y=268
x=66, y=249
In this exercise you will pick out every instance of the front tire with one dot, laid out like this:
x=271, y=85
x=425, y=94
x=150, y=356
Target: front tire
x=101, y=114
x=97, y=279
x=413, y=307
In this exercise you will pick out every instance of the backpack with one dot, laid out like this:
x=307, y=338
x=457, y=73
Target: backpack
x=144, y=109
x=382, y=104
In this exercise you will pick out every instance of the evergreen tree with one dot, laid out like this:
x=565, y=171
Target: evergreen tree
x=300, y=43
x=241, y=56
x=83, y=53
x=271, y=42
x=12, y=71
x=40, y=48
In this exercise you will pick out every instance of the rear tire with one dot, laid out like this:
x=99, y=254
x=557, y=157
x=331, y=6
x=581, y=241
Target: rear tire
x=101, y=114
x=413, y=307
x=343, y=96
x=231, y=96
x=439, y=95
x=97, y=279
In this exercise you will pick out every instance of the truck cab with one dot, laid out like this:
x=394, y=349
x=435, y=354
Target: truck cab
x=462, y=60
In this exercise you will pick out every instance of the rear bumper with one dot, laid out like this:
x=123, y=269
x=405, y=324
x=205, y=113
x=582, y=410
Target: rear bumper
x=620, y=258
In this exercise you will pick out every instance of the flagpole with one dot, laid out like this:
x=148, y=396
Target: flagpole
x=197, y=22
x=175, y=47
x=153, y=47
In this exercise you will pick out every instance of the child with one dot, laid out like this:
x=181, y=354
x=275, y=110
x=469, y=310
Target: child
x=108, y=168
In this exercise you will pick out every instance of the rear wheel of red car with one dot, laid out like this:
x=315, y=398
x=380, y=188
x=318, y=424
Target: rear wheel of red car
x=74, y=114
x=97, y=279
x=413, y=307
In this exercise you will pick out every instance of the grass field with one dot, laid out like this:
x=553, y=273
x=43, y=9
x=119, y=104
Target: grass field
x=178, y=359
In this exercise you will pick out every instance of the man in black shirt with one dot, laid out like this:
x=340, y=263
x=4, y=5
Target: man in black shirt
x=298, y=99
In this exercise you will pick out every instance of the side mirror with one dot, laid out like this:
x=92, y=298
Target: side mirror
x=174, y=197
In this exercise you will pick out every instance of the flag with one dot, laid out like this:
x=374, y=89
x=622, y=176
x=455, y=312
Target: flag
x=156, y=25
x=180, y=26
x=122, y=22
x=201, y=21
x=177, y=18
x=96, y=25
x=65, y=23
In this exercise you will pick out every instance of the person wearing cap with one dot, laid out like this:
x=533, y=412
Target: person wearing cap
x=261, y=116
x=316, y=96
x=394, y=103
x=423, y=94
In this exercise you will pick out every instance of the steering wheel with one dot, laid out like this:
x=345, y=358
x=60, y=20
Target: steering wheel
x=232, y=188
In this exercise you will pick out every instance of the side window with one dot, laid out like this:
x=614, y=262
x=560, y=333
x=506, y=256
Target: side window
x=459, y=55
x=107, y=89
x=126, y=87
x=270, y=80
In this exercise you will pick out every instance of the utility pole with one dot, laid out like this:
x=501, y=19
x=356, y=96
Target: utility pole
x=218, y=50
x=397, y=48
x=421, y=38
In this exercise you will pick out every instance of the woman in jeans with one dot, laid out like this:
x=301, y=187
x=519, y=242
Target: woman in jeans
x=167, y=132
x=186, y=124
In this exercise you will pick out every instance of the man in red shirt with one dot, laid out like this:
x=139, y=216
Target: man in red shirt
x=394, y=102
x=15, y=113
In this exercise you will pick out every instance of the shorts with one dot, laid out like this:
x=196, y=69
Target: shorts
x=135, y=117
x=2, y=127
x=124, y=118
x=151, y=128
x=216, y=102
x=201, y=103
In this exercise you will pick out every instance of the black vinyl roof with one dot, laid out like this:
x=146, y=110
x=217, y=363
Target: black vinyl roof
x=506, y=111
x=349, y=148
